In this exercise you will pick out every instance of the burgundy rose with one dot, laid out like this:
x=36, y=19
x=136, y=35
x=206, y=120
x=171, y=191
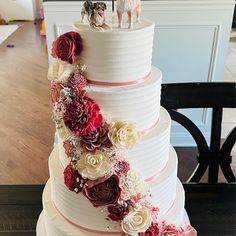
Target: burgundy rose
x=67, y=47
x=55, y=91
x=153, y=230
x=82, y=116
x=171, y=230
x=104, y=193
x=77, y=81
x=117, y=212
x=96, y=139
x=122, y=167
x=73, y=179
x=69, y=148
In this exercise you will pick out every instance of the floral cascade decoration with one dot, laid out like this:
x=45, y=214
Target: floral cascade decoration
x=97, y=148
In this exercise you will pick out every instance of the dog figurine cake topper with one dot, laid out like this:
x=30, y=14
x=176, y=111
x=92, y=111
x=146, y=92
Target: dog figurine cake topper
x=95, y=14
x=128, y=6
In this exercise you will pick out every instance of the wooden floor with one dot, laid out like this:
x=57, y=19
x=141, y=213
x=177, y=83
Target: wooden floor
x=26, y=130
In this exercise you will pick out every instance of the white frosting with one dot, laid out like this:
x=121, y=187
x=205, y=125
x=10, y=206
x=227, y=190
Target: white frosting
x=80, y=211
x=150, y=155
x=163, y=189
x=117, y=55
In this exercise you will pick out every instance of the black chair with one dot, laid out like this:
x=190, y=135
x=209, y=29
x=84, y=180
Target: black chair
x=204, y=95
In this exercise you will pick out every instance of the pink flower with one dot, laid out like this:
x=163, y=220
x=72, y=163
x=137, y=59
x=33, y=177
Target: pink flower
x=171, y=230
x=122, y=168
x=77, y=81
x=189, y=231
x=55, y=91
x=67, y=47
x=73, y=179
x=117, y=212
x=82, y=116
x=69, y=148
x=104, y=193
x=153, y=230
x=96, y=139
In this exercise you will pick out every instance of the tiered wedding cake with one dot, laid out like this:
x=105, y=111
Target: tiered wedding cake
x=113, y=171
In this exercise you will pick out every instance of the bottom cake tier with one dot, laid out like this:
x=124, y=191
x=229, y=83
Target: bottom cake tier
x=53, y=223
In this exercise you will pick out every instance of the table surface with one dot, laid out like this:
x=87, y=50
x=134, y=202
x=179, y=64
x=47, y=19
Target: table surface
x=211, y=209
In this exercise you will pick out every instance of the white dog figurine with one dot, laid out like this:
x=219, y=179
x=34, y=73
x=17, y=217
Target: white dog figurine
x=128, y=6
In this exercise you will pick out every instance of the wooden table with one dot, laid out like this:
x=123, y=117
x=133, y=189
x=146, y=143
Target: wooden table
x=211, y=208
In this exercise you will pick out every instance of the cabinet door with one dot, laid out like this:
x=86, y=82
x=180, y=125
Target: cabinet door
x=190, y=45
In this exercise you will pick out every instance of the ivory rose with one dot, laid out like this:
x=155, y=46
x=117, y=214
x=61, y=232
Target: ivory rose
x=123, y=134
x=93, y=166
x=137, y=221
x=60, y=71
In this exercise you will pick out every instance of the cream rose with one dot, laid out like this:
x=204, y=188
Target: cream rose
x=137, y=221
x=62, y=130
x=133, y=184
x=60, y=71
x=123, y=134
x=93, y=166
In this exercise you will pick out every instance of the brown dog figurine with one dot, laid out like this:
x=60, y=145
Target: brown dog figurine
x=97, y=19
x=128, y=6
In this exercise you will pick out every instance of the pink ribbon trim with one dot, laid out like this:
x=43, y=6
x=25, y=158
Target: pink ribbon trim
x=148, y=130
x=133, y=82
x=154, y=177
x=87, y=229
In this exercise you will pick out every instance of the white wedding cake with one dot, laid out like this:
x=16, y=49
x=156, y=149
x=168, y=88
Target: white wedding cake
x=113, y=170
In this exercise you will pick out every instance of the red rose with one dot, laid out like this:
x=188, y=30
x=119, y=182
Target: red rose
x=67, y=47
x=171, y=230
x=78, y=82
x=73, y=179
x=96, y=139
x=69, y=148
x=153, y=230
x=55, y=91
x=122, y=168
x=104, y=193
x=117, y=212
x=82, y=116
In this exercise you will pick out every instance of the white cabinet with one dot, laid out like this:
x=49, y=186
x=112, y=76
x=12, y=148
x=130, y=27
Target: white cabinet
x=19, y=9
x=190, y=45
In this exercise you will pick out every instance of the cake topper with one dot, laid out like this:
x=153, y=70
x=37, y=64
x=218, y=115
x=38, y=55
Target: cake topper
x=128, y=6
x=96, y=14
x=87, y=10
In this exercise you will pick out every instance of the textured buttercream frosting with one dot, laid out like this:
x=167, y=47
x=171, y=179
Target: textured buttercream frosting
x=57, y=225
x=163, y=189
x=150, y=155
x=117, y=55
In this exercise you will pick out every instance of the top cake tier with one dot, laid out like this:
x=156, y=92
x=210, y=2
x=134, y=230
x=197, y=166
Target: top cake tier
x=117, y=56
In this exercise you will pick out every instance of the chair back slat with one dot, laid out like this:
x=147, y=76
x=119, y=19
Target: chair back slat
x=198, y=95
x=204, y=95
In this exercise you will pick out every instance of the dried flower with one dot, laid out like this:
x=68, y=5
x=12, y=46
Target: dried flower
x=82, y=116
